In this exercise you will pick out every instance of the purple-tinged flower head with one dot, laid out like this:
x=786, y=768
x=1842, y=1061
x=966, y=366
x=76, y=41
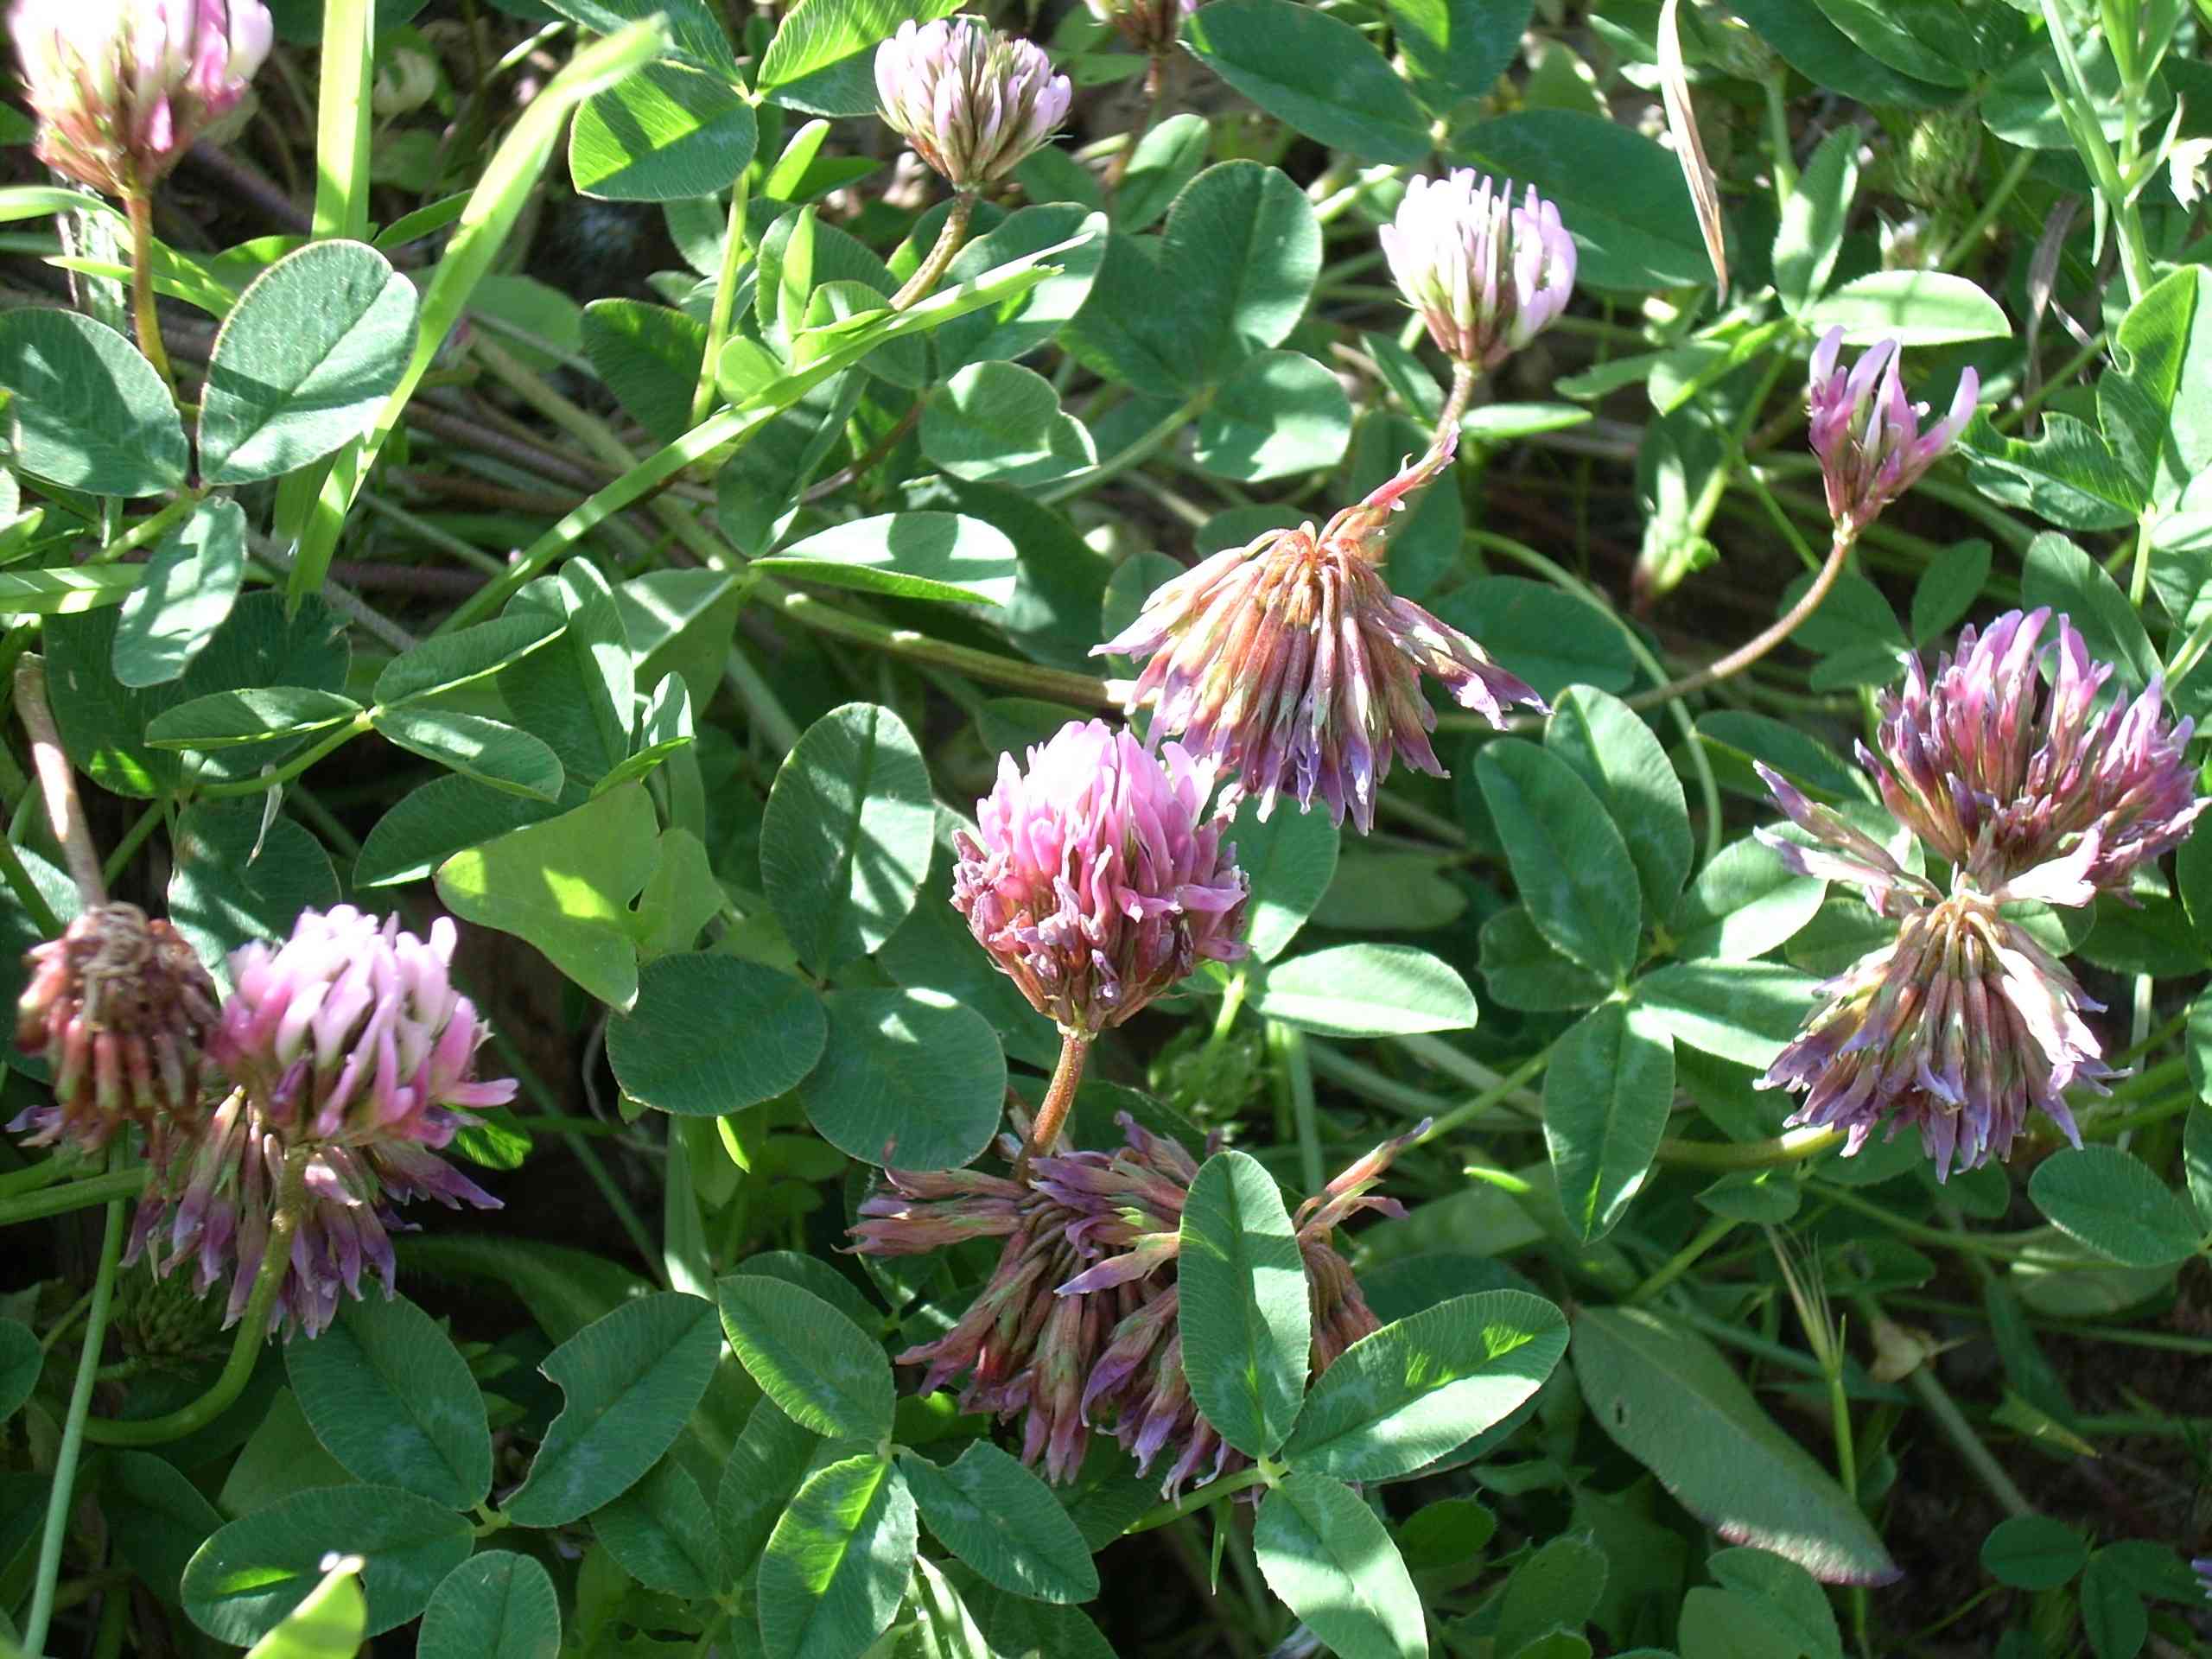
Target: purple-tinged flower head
x=970, y=101
x=1487, y=276
x=1291, y=666
x=1095, y=879
x=120, y=1008
x=1957, y=1029
x=1149, y=26
x=2028, y=787
x=122, y=87
x=1077, y=1327
x=1867, y=433
x=353, y=1054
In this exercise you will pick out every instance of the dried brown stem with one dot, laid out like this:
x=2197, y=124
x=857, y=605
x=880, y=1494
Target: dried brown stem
x=57, y=782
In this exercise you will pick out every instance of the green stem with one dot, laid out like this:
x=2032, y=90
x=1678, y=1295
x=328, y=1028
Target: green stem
x=1792, y=1147
x=1057, y=685
x=1297, y=1073
x=931, y=270
x=144, y=315
x=2007, y=184
x=1936, y=1399
x=2139, y=578
x=1778, y=127
x=734, y=253
x=1232, y=1003
x=73, y=1435
x=133, y=839
x=61, y=1199
x=1192, y=1503
x=1684, y=1259
x=245, y=1347
x=345, y=733
x=1144, y=446
x=32, y=1176
x=2004, y=1247
x=1500, y=1088
x=625, y=1213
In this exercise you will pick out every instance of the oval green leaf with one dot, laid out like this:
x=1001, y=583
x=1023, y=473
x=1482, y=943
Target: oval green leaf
x=909, y=1078
x=630, y=1381
x=1322, y=1550
x=390, y=1397
x=673, y=1050
x=1245, y=1321
x=2113, y=1202
x=823, y=1370
x=501, y=1605
x=1405, y=1394
x=243, y=1582
x=89, y=412
x=837, y=1563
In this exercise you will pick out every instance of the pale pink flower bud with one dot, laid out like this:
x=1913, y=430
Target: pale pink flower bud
x=1093, y=879
x=122, y=87
x=1487, y=276
x=972, y=102
x=1867, y=434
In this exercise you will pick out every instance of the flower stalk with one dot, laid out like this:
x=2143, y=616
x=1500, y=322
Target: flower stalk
x=931, y=271
x=144, y=315
x=1060, y=1100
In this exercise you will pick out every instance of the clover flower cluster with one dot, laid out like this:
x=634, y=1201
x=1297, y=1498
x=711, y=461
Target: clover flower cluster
x=2030, y=791
x=1094, y=879
x=122, y=87
x=350, y=1064
x=1866, y=432
x=120, y=1008
x=1077, y=1326
x=971, y=102
x=1289, y=663
x=1487, y=276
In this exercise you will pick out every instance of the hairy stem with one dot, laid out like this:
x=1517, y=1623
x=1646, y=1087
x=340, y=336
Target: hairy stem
x=1793, y=1147
x=948, y=239
x=1059, y=1099
x=140, y=208
x=57, y=782
x=1765, y=641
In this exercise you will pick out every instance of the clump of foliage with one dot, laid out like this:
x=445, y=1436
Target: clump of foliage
x=742, y=740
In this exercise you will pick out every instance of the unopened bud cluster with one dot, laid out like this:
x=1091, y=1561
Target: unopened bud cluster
x=971, y=102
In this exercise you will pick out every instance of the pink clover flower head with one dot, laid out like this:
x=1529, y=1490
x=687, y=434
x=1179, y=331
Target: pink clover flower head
x=122, y=87
x=353, y=1055
x=1095, y=880
x=351, y=1032
x=1867, y=434
x=1486, y=275
x=2031, y=787
x=1289, y=666
x=120, y=1008
x=971, y=102
x=1957, y=1029
x=1077, y=1326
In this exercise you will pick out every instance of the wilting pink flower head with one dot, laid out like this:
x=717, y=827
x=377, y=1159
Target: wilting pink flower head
x=349, y=1046
x=1487, y=276
x=2027, y=788
x=1148, y=25
x=1289, y=663
x=971, y=102
x=1095, y=880
x=122, y=87
x=1867, y=434
x=1956, y=1029
x=119, y=1008
x=1078, y=1326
